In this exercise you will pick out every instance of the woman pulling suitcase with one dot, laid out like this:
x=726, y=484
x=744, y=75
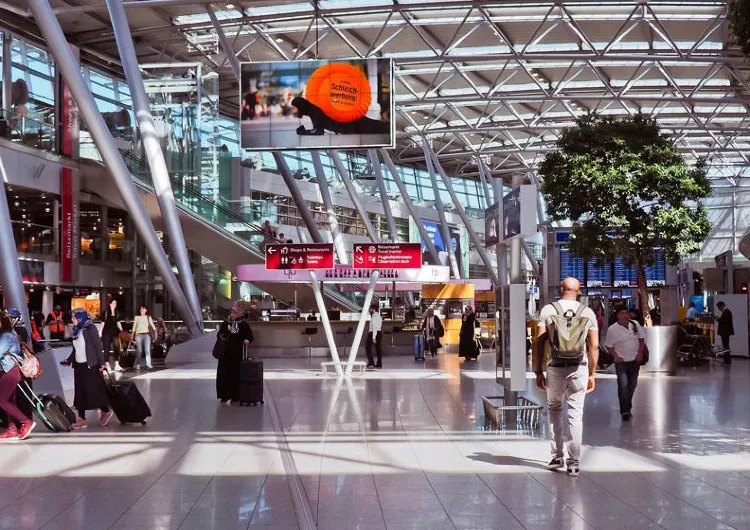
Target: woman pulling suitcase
x=19, y=425
x=88, y=360
x=232, y=337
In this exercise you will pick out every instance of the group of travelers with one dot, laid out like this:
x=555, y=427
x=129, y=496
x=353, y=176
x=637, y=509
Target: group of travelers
x=270, y=231
x=89, y=358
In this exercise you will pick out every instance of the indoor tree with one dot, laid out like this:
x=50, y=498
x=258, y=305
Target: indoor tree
x=627, y=190
x=739, y=23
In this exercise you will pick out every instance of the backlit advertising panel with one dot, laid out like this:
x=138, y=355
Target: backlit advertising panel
x=317, y=104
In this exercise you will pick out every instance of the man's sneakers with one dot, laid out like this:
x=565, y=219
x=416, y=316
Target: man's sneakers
x=558, y=463
x=626, y=416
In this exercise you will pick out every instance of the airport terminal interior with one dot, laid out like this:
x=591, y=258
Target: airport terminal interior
x=296, y=264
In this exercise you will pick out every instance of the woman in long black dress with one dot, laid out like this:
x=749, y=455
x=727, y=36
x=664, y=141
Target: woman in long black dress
x=467, y=344
x=236, y=332
x=87, y=359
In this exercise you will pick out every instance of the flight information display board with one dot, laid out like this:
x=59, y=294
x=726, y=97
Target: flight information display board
x=597, y=276
x=571, y=266
x=610, y=274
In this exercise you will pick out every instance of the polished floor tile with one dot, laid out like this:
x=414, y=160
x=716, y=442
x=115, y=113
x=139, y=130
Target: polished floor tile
x=397, y=449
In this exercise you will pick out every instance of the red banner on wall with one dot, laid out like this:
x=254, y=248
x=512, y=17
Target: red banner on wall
x=70, y=244
x=68, y=116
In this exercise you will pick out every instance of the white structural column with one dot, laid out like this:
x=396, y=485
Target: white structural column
x=479, y=245
x=226, y=46
x=326, y=323
x=378, y=170
x=362, y=322
x=440, y=210
x=10, y=268
x=410, y=206
x=299, y=200
x=484, y=178
x=71, y=71
x=325, y=194
x=155, y=155
x=344, y=174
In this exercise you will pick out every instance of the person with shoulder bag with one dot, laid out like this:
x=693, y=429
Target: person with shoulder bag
x=626, y=342
x=143, y=330
x=11, y=359
x=572, y=332
x=433, y=331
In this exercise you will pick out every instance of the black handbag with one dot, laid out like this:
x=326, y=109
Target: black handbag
x=220, y=348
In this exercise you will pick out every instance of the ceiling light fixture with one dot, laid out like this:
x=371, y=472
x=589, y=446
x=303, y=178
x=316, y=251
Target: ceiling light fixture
x=279, y=40
x=230, y=6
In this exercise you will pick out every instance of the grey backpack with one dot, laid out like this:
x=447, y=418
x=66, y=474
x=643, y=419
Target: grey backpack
x=567, y=331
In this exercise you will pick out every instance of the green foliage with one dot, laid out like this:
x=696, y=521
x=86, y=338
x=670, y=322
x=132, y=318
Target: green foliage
x=624, y=175
x=739, y=23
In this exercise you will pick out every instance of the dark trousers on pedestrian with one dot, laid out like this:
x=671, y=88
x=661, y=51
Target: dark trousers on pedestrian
x=111, y=342
x=727, y=351
x=627, y=380
x=378, y=349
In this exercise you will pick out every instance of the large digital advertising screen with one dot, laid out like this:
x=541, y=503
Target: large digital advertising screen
x=317, y=104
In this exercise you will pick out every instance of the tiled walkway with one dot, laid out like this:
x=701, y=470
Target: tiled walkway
x=396, y=450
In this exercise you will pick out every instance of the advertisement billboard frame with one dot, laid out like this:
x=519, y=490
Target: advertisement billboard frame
x=343, y=146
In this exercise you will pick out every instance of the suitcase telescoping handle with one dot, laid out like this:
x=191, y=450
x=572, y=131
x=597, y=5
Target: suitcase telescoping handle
x=245, y=351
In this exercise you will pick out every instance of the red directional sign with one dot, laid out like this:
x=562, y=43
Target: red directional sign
x=299, y=256
x=387, y=255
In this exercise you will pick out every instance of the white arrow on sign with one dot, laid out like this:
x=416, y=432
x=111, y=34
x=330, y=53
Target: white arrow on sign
x=271, y=250
x=357, y=249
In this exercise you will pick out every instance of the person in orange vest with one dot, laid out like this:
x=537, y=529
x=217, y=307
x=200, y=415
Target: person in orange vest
x=56, y=324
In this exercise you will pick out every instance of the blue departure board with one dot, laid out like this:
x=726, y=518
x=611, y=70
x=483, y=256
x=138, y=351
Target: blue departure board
x=656, y=274
x=624, y=276
x=570, y=266
x=598, y=276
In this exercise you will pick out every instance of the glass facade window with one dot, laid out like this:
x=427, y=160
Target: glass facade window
x=33, y=71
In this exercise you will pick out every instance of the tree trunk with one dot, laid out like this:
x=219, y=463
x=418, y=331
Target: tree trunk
x=642, y=290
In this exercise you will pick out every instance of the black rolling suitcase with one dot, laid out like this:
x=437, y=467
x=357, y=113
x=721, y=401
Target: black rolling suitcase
x=126, y=401
x=251, y=380
x=52, y=410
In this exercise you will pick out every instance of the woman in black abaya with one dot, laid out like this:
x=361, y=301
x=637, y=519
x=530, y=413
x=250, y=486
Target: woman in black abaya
x=467, y=344
x=237, y=334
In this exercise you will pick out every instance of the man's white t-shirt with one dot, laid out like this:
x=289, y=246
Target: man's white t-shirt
x=625, y=340
x=549, y=310
x=376, y=323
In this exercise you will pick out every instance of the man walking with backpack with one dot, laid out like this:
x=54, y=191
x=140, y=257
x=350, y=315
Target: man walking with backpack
x=571, y=330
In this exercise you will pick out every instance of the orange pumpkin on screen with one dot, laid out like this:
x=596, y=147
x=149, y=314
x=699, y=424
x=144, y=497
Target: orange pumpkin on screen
x=341, y=91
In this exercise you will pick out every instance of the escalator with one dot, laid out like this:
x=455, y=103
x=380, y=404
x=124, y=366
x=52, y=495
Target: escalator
x=212, y=230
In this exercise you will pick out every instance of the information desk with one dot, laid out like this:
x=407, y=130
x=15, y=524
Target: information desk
x=307, y=339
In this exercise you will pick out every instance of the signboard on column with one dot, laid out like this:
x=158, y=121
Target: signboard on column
x=345, y=103
x=519, y=216
x=70, y=237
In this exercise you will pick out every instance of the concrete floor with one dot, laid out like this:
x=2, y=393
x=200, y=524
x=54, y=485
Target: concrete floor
x=397, y=449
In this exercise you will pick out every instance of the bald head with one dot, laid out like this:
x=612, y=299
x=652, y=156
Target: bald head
x=570, y=288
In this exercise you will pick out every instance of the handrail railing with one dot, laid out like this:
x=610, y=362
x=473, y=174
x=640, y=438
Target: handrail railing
x=26, y=131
